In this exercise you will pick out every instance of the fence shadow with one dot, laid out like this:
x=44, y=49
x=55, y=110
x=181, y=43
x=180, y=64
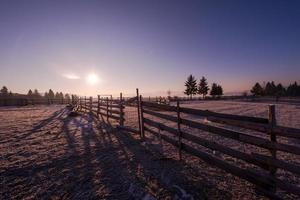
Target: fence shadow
x=89, y=159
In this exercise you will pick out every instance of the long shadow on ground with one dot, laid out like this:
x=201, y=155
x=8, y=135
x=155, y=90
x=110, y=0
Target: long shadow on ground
x=92, y=160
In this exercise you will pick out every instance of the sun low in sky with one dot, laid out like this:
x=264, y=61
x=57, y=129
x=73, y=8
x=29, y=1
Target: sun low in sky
x=92, y=79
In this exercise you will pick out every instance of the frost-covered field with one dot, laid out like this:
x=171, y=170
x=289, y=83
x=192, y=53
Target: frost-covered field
x=46, y=154
x=287, y=115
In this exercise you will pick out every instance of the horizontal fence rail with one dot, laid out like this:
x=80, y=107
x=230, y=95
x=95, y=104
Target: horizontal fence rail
x=104, y=107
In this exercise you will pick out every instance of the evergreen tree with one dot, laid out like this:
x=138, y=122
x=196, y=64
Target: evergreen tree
x=51, y=96
x=61, y=97
x=191, y=86
x=30, y=93
x=57, y=95
x=36, y=94
x=270, y=89
x=219, y=90
x=214, y=90
x=4, y=91
x=67, y=98
x=203, y=87
x=257, y=90
x=280, y=90
x=293, y=90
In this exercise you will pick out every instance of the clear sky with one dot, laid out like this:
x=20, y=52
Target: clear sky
x=152, y=45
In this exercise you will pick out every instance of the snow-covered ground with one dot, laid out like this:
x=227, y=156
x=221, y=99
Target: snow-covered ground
x=46, y=154
x=286, y=115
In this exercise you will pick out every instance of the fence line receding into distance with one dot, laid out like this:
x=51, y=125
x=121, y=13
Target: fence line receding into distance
x=156, y=118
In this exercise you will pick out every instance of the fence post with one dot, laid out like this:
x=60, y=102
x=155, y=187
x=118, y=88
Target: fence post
x=98, y=106
x=272, y=124
x=138, y=109
x=91, y=104
x=121, y=111
x=110, y=104
x=179, y=130
x=142, y=118
x=84, y=103
x=107, y=118
x=80, y=103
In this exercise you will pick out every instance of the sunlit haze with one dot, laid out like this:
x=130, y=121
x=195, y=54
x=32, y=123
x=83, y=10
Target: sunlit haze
x=107, y=47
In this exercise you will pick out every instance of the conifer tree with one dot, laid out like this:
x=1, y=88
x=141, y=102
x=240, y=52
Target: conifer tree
x=203, y=87
x=4, y=91
x=30, y=93
x=270, y=89
x=36, y=94
x=57, y=95
x=257, y=90
x=214, y=90
x=280, y=90
x=67, y=98
x=219, y=90
x=51, y=96
x=191, y=86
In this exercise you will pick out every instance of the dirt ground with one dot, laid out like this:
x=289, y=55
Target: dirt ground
x=46, y=154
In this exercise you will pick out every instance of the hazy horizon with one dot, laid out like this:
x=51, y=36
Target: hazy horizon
x=108, y=47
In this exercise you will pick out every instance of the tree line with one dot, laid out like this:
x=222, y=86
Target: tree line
x=271, y=89
x=201, y=88
x=48, y=96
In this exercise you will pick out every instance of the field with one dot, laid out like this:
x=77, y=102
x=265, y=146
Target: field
x=45, y=153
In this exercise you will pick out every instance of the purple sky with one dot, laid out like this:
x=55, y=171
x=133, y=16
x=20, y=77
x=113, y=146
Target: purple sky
x=153, y=45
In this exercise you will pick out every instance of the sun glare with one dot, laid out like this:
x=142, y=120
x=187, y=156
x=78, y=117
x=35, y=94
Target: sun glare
x=92, y=79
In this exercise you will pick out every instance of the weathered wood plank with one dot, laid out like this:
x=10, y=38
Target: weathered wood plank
x=211, y=145
x=250, y=176
x=159, y=106
x=279, y=130
x=206, y=113
x=243, y=137
x=278, y=163
x=161, y=115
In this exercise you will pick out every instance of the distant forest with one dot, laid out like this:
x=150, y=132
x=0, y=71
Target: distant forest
x=33, y=97
x=271, y=89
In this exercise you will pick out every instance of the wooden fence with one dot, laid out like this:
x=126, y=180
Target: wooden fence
x=265, y=179
x=263, y=168
x=105, y=107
